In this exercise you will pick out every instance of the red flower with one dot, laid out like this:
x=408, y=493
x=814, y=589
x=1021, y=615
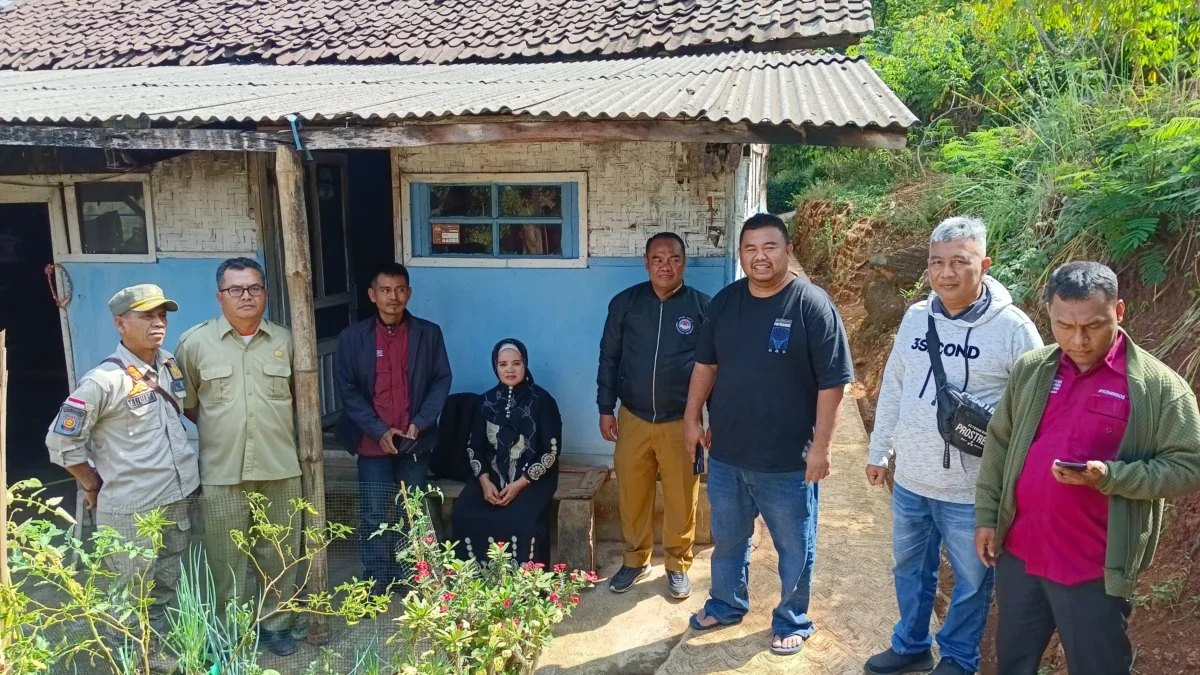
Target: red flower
x=558, y=604
x=516, y=623
x=560, y=567
x=540, y=566
x=445, y=609
x=591, y=577
x=527, y=567
x=449, y=572
x=428, y=540
x=502, y=545
x=448, y=597
x=507, y=603
x=553, y=597
x=574, y=599
x=418, y=577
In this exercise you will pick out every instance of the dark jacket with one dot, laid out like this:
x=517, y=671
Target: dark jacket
x=428, y=382
x=647, y=352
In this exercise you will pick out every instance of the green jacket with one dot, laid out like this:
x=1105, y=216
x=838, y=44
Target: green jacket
x=1159, y=457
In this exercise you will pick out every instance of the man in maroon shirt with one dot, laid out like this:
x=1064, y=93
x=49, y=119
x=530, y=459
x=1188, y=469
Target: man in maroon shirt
x=393, y=376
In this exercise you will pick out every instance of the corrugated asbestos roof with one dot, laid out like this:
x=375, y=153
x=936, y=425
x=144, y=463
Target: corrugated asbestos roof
x=38, y=34
x=758, y=87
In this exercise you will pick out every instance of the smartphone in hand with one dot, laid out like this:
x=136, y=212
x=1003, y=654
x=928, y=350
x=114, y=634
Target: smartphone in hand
x=1072, y=466
x=698, y=465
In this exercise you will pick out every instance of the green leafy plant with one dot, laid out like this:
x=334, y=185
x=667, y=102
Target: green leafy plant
x=482, y=618
x=65, y=603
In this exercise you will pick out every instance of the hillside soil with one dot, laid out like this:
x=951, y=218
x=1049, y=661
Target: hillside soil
x=867, y=267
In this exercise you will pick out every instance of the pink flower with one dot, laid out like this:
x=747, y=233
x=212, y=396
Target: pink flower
x=448, y=597
x=445, y=609
x=502, y=545
x=429, y=540
x=540, y=566
x=418, y=577
x=527, y=567
x=558, y=604
x=507, y=603
x=553, y=597
x=449, y=572
x=574, y=599
x=591, y=577
x=574, y=576
x=560, y=567
x=423, y=568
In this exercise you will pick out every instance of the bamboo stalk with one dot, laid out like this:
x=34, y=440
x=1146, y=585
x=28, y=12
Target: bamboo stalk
x=289, y=174
x=4, y=577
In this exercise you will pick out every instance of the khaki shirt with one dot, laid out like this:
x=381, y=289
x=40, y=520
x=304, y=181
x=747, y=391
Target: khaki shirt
x=130, y=433
x=244, y=393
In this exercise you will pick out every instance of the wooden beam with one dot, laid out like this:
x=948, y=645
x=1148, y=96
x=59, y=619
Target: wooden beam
x=412, y=134
x=289, y=172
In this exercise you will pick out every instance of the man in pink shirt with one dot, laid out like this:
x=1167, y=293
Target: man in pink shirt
x=1090, y=436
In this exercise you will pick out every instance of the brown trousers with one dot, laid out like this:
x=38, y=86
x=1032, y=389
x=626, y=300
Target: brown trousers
x=646, y=452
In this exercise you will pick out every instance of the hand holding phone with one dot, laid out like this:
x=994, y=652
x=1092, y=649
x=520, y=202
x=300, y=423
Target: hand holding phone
x=1073, y=466
x=698, y=465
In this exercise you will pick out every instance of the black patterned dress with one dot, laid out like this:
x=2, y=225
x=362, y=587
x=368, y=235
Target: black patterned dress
x=518, y=432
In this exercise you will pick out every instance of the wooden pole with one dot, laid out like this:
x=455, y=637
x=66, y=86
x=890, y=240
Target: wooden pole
x=289, y=174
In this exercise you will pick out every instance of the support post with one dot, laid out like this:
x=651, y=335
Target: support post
x=4, y=578
x=289, y=174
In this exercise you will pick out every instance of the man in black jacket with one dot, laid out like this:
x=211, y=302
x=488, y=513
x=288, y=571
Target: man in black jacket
x=646, y=358
x=393, y=376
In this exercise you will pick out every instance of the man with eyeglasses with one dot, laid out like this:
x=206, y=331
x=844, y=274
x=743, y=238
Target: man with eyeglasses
x=238, y=373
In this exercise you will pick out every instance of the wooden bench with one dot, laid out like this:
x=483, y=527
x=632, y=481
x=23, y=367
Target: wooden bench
x=573, y=524
x=573, y=515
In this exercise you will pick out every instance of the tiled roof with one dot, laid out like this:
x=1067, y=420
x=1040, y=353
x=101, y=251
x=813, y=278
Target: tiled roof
x=758, y=87
x=113, y=33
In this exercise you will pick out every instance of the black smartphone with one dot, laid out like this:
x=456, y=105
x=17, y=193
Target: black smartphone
x=1073, y=466
x=403, y=444
x=698, y=465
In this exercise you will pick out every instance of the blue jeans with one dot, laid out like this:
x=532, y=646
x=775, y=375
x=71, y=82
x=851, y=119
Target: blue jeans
x=919, y=527
x=379, y=480
x=789, y=507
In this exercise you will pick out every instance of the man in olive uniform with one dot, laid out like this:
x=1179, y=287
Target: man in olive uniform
x=238, y=372
x=124, y=418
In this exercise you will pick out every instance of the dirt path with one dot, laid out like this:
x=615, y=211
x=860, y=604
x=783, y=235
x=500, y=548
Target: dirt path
x=853, y=602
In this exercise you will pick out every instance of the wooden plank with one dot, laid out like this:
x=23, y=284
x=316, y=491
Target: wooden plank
x=298, y=269
x=449, y=133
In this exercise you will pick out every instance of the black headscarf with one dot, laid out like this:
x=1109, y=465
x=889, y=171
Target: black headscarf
x=513, y=410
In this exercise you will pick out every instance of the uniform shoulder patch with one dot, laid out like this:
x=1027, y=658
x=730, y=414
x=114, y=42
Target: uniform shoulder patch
x=71, y=417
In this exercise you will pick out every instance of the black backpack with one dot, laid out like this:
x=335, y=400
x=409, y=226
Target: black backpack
x=450, y=459
x=962, y=418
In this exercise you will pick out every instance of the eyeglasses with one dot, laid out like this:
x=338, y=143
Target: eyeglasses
x=255, y=291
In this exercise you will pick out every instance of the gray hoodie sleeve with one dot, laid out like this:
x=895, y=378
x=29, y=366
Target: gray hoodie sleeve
x=887, y=411
x=1024, y=339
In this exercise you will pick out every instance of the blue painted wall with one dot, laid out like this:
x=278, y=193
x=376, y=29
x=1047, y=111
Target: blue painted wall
x=558, y=313
x=188, y=281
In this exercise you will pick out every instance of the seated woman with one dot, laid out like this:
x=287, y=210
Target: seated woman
x=514, y=455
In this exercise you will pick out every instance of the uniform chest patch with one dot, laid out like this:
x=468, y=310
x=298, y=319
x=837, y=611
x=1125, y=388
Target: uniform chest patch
x=685, y=325
x=138, y=388
x=140, y=400
x=70, y=417
x=176, y=374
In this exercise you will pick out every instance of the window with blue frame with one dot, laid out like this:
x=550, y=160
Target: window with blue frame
x=495, y=220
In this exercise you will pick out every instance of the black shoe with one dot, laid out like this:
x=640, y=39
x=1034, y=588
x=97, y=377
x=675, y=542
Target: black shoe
x=280, y=642
x=679, y=584
x=951, y=667
x=626, y=577
x=892, y=663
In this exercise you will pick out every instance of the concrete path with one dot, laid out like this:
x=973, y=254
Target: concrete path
x=853, y=603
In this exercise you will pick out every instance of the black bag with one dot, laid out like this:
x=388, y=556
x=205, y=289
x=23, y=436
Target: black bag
x=962, y=418
x=450, y=459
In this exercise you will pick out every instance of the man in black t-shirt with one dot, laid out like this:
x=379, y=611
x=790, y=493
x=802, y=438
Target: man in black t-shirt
x=774, y=357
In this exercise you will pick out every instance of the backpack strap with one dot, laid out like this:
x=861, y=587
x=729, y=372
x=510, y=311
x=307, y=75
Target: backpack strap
x=141, y=378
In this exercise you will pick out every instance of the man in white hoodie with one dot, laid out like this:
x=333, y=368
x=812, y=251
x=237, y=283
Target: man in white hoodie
x=982, y=334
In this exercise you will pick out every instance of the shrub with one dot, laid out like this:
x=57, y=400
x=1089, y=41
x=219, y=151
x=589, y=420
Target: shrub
x=481, y=618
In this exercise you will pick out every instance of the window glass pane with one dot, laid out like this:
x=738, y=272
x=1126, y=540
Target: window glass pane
x=460, y=200
x=333, y=228
x=461, y=239
x=112, y=217
x=531, y=201
x=531, y=239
